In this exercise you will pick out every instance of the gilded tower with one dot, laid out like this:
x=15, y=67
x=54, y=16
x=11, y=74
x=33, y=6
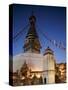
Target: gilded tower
x=32, y=43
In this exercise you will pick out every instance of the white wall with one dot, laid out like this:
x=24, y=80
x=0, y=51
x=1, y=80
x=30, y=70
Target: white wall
x=49, y=67
x=35, y=61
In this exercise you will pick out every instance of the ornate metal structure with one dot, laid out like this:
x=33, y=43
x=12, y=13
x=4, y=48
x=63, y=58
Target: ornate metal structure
x=32, y=43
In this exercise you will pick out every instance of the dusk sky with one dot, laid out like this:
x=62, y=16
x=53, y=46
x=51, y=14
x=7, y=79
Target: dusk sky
x=49, y=20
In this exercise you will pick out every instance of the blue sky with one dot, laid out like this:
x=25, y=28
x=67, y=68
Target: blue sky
x=49, y=20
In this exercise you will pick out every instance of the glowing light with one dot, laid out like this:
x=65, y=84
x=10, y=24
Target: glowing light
x=36, y=69
x=38, y=75
x=23, y=78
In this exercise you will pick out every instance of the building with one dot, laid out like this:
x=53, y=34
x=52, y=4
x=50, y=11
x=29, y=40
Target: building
x=61, y=73
x=32, y=67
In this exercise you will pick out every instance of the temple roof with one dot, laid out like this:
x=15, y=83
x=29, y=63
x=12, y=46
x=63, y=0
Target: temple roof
x=32, y=43
x=32, y=29
x=32, y=32
x=48, y=51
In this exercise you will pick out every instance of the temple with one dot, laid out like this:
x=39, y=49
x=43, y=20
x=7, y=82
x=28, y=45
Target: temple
x=32, y=67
